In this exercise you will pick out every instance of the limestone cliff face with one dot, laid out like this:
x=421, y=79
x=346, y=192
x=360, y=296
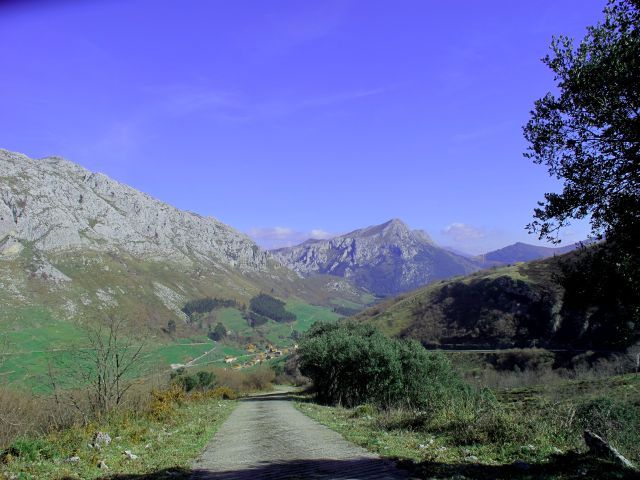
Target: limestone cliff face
x=55, y=205
x=385, y=259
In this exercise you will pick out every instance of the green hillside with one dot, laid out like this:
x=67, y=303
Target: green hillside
x=42, y=318
x=522, y=305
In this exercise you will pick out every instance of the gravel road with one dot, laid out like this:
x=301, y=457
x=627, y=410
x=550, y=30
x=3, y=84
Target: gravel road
x=267, y=438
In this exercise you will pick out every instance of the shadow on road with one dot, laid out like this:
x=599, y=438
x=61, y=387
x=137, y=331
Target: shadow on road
x=568, y=466
x=267, y=397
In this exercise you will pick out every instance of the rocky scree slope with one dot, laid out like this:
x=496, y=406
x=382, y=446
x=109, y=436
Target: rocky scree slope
x=384, y=259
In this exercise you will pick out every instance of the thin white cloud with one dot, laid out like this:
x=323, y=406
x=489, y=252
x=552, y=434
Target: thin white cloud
x=320, y=234
x=464, y=233
x=277, y=237
x=483, y=132
x=232, y=107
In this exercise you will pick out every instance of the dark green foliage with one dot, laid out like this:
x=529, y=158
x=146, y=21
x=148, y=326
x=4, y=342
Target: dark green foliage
x=588, y=136
x=31, y=449
x=600, y=303
x=521, y=360
x=255, y=319
x=207, y=304
x=188, y=382
x=488, y=312
x=268, y=306
x=218, y=333
x=352, y=364
x=206, y=379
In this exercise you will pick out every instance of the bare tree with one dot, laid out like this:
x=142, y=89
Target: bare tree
x=110, y=362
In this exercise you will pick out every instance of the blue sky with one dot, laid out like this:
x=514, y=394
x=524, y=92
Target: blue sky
x=287, y=119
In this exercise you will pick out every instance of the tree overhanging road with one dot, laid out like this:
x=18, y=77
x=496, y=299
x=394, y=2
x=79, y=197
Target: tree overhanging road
x=267, y=438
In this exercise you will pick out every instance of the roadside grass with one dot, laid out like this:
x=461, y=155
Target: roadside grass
x=168, y=443
x=533, y=433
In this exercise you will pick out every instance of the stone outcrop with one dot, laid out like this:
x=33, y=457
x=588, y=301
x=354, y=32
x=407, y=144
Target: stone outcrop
x=55, y=205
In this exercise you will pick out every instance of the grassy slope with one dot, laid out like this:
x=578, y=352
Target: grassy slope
x=439, y=455
x=39, y=317
x=395, y=315
x=167, y=446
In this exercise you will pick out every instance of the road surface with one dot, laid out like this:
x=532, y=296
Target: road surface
x=267, y=438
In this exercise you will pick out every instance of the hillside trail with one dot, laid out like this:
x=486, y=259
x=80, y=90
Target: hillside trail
x=267, y=438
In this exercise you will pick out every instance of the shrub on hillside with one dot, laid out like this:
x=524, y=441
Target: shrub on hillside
x=352, y=364
x=224, y=393
x=164, y=402
x=202, y=380
x=218, y=333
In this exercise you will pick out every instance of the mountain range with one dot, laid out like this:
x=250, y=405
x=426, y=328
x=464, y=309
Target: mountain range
x=523, y=252
x=391, y=258
x=62, y=225
x=74, y=244
x=383, y=259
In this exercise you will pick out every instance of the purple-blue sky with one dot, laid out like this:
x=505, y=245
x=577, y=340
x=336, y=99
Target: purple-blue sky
x=309, y=116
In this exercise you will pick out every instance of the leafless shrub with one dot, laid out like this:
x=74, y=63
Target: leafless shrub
x=19, y=414
x=245, y=381
x=111, y=359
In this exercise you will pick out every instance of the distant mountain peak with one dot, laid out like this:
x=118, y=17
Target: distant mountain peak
x=524, y=252
x=385, y=259
x=395, y=226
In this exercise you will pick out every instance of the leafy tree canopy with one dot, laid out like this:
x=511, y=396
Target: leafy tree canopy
x=207, y=304
x=352, y=364
x=267, y=306
x=588, y=134
x=218, y=333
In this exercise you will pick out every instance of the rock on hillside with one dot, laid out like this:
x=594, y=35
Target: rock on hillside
x=56, y=205
x=385, y=259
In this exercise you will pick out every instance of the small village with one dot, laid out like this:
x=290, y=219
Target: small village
x=257, y=355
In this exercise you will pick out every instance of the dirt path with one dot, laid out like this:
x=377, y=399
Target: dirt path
x=267, y=438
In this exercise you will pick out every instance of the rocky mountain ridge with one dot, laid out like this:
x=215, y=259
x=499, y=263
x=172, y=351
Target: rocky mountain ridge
x=385, y=259
x=54, y=205
x=75, y=244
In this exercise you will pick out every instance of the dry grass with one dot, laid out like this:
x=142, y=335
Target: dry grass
x=246, y=381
